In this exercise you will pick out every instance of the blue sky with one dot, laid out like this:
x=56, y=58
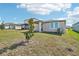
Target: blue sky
x=12, y=12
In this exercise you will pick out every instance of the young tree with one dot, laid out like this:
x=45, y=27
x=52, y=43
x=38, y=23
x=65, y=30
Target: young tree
x=31, y=26
x=29, y=34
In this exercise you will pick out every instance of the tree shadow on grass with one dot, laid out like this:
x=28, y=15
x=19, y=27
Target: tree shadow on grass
x=14, y=46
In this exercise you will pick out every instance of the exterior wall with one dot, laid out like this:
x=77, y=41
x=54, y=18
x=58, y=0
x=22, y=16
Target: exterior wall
x=47, y=27
x=6, y=27
x=9, y=27
x=40, y=26
x=17, y=27
x=36, y=27
x=76, y=27
x=63, y=26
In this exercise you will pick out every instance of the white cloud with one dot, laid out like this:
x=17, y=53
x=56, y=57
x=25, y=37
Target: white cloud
x=44, y=8
x=21, y=6
x=74, y=12
x=73, y=16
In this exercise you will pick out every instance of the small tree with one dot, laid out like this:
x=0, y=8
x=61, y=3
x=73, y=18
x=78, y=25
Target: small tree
x=29, y=34
x=31, y=26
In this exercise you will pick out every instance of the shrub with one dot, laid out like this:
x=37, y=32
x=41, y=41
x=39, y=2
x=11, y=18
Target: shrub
x=2, y=26
x=29, y=34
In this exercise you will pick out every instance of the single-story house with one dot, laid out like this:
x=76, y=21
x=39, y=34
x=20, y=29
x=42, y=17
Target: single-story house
x=75, y=27
x=21, y=26
x=12, y=26
x=25, y=26
x=50, y=25
x=18, y=26
x=15, y=26
x=9, y=26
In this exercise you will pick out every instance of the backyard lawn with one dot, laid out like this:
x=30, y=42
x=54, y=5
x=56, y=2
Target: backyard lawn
x=41, y=44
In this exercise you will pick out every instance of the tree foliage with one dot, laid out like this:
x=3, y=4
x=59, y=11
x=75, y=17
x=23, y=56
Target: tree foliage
x=31, y=26
x=29, y=34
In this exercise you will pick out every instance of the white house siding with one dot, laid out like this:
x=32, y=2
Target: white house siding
x=9, y=27
x=17, y=27
x=76, y=27
x=40, y=26
x=47, y=27
x=36, y=27
x=63, y=26
x=6, y=27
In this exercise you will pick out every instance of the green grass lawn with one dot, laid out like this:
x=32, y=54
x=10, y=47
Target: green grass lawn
x=73, y=34
x=40, y=43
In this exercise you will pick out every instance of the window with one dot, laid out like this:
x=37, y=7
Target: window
x=54, y=25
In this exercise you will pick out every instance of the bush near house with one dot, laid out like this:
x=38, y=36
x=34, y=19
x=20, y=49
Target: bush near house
x=2, y=26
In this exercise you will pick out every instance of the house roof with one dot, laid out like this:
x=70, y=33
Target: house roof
x=24, y=24
x=26, y=21
x=13, y=24
x=55, y=21
x=17, y=24
x=50, y=21
x=37, y=21
x=32, y=18
x=8, y=24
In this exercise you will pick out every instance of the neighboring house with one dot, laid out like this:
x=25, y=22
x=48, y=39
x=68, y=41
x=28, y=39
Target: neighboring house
x=15, y=26
x=50, y=26
x=25, y=26
x=18, y=26
x=9, y=26
x=12, y=26
x=75, y=27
